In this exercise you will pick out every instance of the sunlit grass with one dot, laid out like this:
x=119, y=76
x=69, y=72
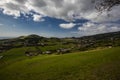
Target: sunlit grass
x=100, y=64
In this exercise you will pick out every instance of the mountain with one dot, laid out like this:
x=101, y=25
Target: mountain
x=104, y=35
x=111, y=39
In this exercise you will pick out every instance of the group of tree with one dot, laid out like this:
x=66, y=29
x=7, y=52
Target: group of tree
x=105, y=5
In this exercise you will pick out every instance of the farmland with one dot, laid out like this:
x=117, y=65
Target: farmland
x=34, y=57
x=101, y=64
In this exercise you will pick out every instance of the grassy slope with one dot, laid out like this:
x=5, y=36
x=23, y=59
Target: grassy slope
x=92, y=65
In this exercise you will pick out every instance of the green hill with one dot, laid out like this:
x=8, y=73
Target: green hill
x=101, y=64
x=111, y=39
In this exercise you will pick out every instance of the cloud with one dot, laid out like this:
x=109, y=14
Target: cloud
x=14, y=7
x=38, y=18
x=68, y=10
x=91, y=28
x=67, y=25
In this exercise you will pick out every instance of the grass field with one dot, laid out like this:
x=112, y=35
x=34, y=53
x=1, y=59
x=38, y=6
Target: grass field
x=101, y=64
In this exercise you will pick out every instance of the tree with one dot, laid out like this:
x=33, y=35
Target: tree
x=32, y=39
x=105, y=5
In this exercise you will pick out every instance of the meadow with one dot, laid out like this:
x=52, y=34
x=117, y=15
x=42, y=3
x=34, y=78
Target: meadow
x=99, y=64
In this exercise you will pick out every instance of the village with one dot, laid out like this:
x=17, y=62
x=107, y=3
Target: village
x=35, y=45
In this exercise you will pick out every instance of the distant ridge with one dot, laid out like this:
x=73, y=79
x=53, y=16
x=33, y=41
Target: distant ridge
x=108, y=34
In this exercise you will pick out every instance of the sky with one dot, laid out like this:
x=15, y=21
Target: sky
x=55, y=18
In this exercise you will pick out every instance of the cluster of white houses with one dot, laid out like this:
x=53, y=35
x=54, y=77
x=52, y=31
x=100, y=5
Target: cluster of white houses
x=58, y=51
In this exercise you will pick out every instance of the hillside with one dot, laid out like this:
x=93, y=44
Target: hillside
x=63, y=44
x=111, y=39
x=101, y=64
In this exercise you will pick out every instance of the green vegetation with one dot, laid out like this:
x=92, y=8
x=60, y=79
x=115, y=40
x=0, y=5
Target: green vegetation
x=54, y=44
x=26, y=58
x=101, y=64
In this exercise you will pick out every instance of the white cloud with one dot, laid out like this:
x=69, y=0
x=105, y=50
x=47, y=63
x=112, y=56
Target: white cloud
x=90, y=28
x=68, y=10
x=38, y=18
x=67, y=25
x=14, y=7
